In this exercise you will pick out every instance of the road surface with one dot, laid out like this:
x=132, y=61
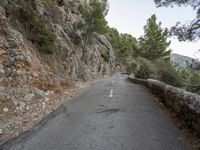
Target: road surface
x=111, y=114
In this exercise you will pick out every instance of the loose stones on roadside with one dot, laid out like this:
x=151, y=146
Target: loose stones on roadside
x=35, y=74
x=21, y=107
x=28, y=108
x=5, y=110
x=43, y=104
x=1, y=131
x=30, y=97
x=39, y=93
x=15, y=102
x=46, y=99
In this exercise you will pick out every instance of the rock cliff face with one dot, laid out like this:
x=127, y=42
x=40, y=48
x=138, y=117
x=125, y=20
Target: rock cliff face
x=23, y=65
x=32, y=81
x=181, y=61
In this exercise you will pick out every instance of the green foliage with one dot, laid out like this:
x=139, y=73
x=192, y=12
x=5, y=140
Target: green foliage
x=46, y=40
x=125, y=45
x=132, y=67
x=50, y=4
x=189, y=31
x=74, y=3
x=29, y=15
x=38, y=30
x=184, y=76
x=94, y=17
x=105, y=55
x=194, y=82
x=128, y=44
x=160, y=70
x=168, y=74
x=79, y=24
x=145, y=69
x=154, y=44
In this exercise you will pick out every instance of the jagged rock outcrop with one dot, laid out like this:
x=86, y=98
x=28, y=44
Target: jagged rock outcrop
x=31, y=80
x=22, y=63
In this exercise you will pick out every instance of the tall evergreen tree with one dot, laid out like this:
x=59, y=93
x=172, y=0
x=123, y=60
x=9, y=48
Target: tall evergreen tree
x=125, y=45
x=154, y=44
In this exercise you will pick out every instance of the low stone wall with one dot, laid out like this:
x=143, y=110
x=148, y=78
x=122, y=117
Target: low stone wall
x=185, y=104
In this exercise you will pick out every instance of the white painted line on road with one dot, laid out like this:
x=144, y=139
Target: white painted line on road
x=111, y=93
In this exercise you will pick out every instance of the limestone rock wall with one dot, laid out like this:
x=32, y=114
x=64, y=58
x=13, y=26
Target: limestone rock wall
x=26, y=72
x=21, y=63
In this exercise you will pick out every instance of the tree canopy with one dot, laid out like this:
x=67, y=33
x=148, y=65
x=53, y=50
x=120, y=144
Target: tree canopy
x=125, y=45
x=94, y=17
x=153, y=44
x=189, y=31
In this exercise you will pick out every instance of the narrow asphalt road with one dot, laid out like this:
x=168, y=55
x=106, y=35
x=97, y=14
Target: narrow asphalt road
x=111, y=114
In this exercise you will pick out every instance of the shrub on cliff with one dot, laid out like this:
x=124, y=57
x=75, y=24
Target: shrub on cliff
x=105, y=55
x=38, y=30
x=94, y=19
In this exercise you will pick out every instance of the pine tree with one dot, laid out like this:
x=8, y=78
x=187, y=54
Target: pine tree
x=94, y=14
x=154, y=44
x=94, y=17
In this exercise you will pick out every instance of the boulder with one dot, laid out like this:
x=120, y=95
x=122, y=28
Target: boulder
x=8, y=71
x=39, y=93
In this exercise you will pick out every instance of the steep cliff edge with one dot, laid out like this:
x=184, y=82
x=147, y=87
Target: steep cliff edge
x=42, y=54
x=22, y=56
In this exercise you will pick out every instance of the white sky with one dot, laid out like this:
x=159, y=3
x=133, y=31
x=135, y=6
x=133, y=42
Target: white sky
x=130, y=16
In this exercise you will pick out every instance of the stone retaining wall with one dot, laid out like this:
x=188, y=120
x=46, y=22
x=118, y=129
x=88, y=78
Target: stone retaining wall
x=185, y=104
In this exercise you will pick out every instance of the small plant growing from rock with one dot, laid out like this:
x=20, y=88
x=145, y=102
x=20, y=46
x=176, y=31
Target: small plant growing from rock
x=39, y=30
x=105, y=55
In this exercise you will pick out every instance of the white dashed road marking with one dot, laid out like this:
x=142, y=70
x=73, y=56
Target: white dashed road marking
x=111, y=93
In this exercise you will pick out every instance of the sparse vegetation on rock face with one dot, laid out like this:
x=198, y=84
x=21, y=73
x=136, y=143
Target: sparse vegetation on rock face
x=39, y=30
x=105, y=55
x=47, y=46
x=41, y=57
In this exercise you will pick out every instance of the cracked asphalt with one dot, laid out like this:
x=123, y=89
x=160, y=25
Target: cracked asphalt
x=111, y=114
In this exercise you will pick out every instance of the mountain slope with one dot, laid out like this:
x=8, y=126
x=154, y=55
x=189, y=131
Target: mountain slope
x=42, y=55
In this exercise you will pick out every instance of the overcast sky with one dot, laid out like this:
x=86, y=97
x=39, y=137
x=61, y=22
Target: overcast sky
x=130, y=16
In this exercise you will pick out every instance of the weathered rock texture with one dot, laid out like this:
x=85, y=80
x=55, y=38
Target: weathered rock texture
x=185, y=104
x=29, y=77
x=23, y=66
